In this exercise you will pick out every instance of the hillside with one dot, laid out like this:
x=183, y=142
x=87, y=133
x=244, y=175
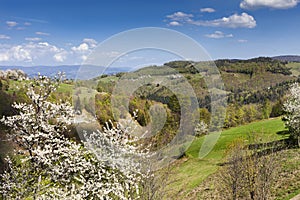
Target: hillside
x=72, y=70
x=252, y=86
x=288, y=58
x=255, y=90
x=190, y=172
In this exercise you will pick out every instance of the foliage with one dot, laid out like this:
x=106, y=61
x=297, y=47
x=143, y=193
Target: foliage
x=54, y=167
x=238, y=115
x=191, y=171
x=249, y=172
x=255, y=65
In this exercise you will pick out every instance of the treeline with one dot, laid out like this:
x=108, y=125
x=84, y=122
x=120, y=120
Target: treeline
x=253, y=66
x=255, y=89
x=272, y=93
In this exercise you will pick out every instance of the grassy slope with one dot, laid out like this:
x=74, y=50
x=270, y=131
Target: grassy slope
x=295, y=68
x=191, y=171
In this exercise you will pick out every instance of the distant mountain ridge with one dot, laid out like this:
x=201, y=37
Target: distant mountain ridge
x=288, y=58
x=283, y=58
x=71, y=71
x=91, y=71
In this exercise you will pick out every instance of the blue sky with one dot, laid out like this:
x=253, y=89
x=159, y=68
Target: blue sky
x=56, y=32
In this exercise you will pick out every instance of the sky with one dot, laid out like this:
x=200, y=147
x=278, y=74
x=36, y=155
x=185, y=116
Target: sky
x=65, y=32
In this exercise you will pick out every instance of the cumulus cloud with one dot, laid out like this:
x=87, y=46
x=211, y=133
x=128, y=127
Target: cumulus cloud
x=4, y=57
x=243, y=20
x=20, y=53
x=91, y=42
x=86, y=46
x=234, y=21
x=84, y=49
x=37, y=52
x=4, y=37
x=61, y=56
x=81, y=48
x=33, y=39
x=218, y=35
x=174, y=23
x=276, y=4
x=180, y=16
x=208, y=10
x=30, y=52
x=42, y=33
x=84, y=57
x=11, y=23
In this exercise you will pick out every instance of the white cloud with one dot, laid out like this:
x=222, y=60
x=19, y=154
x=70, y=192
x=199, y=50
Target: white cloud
x=6, y=37
x=243, y=20
x=20, y=53
x=30, y=52
x=234, y=21
x=242, y=41
x=11, y=23
x=276, y=4
x=42, y=33
x=27, y=24
x=208, y=10
x=174, y=23
x=91, y=42
x=87, y=45
x=84, y=57
x=81, y=48
x=4, y=57
x=37, y=52
x=180, y=16
x=218, y=35
x=61, y=56
x=33, y=39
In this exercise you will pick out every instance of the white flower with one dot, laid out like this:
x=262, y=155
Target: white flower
x=54, y=167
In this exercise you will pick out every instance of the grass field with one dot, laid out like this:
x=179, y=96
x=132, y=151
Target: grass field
x=189, y=172
x=295, y=68
x=65, y=88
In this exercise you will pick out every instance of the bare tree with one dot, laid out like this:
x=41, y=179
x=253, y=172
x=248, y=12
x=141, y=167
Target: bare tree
x=250, y=170
x=230, y=178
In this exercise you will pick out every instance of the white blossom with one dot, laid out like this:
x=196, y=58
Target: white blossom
x=54, y=167
x=292, y=109
x=201, y=129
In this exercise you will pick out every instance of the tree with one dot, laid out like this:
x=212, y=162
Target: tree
x=292, y=112
x=266, y=109
x=249, y=171
x=201, y=129
x=55, y=167
x=78, y=106
x=231, y=175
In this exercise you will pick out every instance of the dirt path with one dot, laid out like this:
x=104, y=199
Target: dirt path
x=296, y=197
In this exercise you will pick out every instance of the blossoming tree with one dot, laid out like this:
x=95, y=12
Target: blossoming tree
x=51, y=166
x=292, y=109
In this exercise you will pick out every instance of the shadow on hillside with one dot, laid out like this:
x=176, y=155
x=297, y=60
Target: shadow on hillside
x=268, y=148
x=2, y=165
x=285, y=132
x=274, y=145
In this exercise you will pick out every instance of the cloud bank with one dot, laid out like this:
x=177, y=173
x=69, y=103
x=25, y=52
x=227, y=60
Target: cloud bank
x=243, y=20
x=275, y=4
